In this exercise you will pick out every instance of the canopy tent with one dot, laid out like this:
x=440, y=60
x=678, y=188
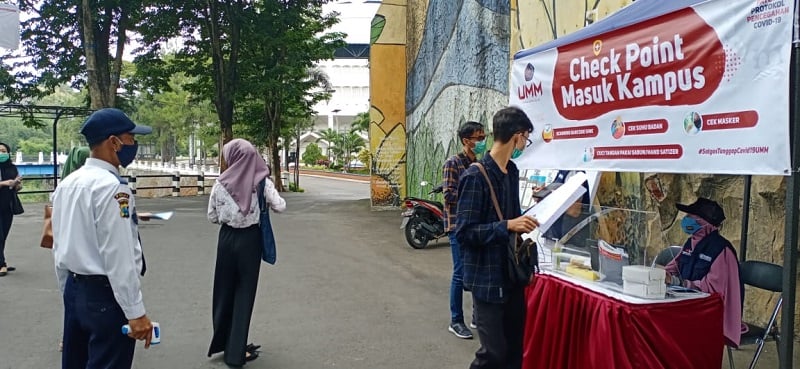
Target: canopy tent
x=667, y=78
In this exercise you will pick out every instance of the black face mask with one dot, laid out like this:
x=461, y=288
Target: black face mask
x=127, y=153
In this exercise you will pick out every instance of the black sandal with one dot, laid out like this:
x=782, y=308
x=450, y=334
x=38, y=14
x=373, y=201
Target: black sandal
x=253, y=356
x=252, y=347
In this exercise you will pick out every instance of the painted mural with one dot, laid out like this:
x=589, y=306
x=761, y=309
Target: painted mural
x=457, y=71
x=387, y=130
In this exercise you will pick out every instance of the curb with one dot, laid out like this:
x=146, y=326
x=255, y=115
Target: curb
x=339, y=176
x=336, y=178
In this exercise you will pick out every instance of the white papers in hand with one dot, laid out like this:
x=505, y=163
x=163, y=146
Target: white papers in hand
x=554, y=205
x=163, y=216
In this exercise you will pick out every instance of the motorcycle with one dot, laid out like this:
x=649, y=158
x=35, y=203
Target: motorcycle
x=423, y=220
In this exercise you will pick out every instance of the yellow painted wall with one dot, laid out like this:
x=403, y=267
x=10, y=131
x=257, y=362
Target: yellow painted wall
x=533, y=21
x=387, y=131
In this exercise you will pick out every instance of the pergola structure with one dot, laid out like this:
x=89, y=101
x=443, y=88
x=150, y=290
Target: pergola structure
x=45, y=112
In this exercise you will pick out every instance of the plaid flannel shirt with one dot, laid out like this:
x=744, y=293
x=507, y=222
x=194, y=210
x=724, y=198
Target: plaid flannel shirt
x=452, y=171
x=483, y=237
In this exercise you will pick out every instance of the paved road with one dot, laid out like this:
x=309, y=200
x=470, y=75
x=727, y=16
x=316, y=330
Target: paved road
x=347, y=291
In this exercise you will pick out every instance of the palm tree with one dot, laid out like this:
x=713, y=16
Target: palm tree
x=330, y=136
x=361, y=122
x=351, y=143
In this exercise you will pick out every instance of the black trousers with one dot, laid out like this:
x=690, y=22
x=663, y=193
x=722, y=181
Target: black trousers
x=235, y=283
x=5, y=227
x=500, y=329
x=93, y=322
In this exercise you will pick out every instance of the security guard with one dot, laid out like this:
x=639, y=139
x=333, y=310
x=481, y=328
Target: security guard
x=98, y=257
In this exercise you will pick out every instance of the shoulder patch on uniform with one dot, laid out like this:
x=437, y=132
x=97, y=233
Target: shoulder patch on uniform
x=124, y=209
x=122, y=196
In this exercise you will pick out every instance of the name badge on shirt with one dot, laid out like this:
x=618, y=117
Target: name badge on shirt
x=705, y=257
x=122, y=200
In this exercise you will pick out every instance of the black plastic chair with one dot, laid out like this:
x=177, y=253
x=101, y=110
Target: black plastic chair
x=768, y=277
x=666, y=255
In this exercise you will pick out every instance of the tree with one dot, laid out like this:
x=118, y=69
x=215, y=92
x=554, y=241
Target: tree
x=330, y=136
x=211, y=31
x=278, y=77
x=365, y=156
x=350, y=143
x=361, y=122
x=176, y=115
x=258, y=52
x=312, y=154
x=71, y=41
x=35, y=145
x=298, y=125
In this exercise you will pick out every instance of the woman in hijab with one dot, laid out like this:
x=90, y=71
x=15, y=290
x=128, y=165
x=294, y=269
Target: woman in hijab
x=708, y=263
x=10, y=183
x=233, y=204
x=77, y=156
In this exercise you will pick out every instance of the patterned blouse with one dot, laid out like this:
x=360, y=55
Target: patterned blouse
x=222, y=209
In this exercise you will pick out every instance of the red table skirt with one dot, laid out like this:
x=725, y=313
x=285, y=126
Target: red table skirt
x=568, y=326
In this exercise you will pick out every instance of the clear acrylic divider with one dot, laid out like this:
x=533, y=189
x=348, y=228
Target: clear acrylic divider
x=597, y=242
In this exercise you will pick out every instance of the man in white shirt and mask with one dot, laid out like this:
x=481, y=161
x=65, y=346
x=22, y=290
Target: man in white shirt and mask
x=98, y=256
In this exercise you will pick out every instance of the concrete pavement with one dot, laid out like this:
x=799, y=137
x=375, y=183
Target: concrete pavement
x=347, y=292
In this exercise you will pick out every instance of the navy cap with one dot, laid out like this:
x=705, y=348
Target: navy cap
x=109, y=122
x=706, y=209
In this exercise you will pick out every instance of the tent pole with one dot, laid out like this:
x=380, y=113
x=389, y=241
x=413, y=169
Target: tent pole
x=786, y=344
x=748, y=181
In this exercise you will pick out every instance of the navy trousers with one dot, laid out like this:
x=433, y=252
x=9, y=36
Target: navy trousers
x=93, y=322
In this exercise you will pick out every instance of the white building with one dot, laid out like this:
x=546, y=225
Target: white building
x=348, y=72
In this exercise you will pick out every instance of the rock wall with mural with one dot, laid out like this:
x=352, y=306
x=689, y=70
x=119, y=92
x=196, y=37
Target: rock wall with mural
x=458, y=64
x=436, y=64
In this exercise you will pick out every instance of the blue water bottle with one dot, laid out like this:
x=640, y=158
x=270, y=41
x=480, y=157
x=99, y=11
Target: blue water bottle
x=156, y=332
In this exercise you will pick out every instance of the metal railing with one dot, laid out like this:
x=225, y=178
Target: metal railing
x=203, y=182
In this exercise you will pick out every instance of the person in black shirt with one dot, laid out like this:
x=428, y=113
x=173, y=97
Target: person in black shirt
x=10, y=183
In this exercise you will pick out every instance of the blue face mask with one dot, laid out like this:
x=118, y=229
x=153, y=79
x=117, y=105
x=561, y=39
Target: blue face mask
x=127, y=153
x=690, y=225
x=480, y=147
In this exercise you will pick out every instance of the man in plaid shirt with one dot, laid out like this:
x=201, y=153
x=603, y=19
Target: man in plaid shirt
x=499, y=306
x=473, y=140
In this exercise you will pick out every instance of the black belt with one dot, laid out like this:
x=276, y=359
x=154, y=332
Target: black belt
x=89, y=278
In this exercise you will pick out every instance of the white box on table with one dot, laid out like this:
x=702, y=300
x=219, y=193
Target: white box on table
x=653, y=289
x=643, y=274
